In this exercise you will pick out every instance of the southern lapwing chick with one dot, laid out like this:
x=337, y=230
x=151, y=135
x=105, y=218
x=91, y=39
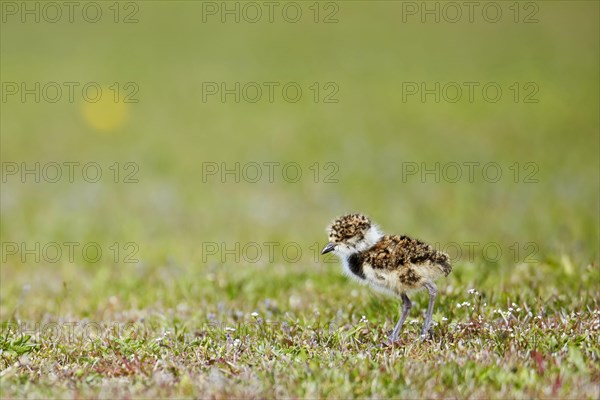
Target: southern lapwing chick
x=394, y=265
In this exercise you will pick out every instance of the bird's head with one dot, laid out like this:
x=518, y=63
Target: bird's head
x=351, y=234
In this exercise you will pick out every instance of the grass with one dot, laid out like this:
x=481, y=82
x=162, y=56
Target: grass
x=172, y=308
x=321, y=338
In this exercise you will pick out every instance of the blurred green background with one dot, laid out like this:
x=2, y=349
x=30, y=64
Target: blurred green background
x=168, y=232
x=369, y=134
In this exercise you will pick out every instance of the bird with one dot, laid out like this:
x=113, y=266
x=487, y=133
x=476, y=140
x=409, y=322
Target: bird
x=390, y=264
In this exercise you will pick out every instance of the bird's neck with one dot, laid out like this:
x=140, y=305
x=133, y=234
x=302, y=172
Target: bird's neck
x=372, y=236
x=352, y=260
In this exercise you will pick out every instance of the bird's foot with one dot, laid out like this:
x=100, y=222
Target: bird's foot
x=391, y=341
x=428, y=335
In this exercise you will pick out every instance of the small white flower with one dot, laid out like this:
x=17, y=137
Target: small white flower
x=254, y=314
x=229, y=329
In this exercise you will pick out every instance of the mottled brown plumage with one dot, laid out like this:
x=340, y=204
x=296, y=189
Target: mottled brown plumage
x=398, y=252
x=392, y=264
x=348, y=226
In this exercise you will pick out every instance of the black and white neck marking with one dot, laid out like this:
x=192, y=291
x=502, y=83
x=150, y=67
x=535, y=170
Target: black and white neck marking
x=351, y=255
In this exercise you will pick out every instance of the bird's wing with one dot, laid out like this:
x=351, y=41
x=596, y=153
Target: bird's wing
x=399, y=252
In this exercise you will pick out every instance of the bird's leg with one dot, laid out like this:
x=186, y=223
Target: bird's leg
x=406, y=306
x=432, y=295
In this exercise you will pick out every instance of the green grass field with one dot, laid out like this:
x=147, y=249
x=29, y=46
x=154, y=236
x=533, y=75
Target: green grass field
x=190, y=266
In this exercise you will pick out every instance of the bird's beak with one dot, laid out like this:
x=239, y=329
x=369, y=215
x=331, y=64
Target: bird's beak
x=328, y=248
